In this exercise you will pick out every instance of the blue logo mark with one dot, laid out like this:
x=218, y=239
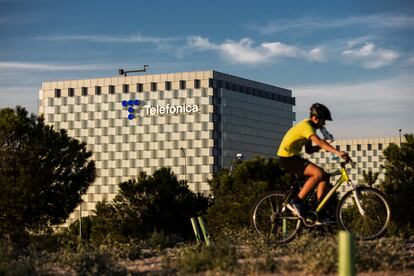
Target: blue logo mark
x=131, y=110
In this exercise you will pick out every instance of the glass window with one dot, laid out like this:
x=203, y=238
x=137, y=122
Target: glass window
x=153, y=86
x=71, y=92
x=359, y=147
x=84, y=91
x=197, y=84
x=140, y=87
x=57, y=93
x=380, y=146
x=112, y=89
x=168, y=85
x=369, y=147
x=348, y=147
x=182, y=84
x=98, y=90
x=125, y=88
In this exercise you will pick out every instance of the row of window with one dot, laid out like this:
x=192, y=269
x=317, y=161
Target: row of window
x=252, y=91
x=126, y=88
x=359, y=147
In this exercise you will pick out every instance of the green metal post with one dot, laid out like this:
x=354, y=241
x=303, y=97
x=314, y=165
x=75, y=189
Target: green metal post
x=196, y=229
x=346, y=254
x=205, y=230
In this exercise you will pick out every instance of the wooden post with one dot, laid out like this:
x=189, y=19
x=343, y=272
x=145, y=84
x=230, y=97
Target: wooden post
x=346, y=254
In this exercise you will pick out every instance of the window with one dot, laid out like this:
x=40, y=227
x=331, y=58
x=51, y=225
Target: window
x=369, y=147
x=57, y=93
x=380, y=146
x=197, y=84
x=153, y=86
x=338, y=147
x=71, y=92
x=168, y=85
x=348, y=147
x=182, y=85
x=125, y=88
x=84, y=91
x=359, y=147
x=140, y=87
x=112, y=89
x=98, y=90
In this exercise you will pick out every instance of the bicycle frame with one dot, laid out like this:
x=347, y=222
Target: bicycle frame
x=343, y=179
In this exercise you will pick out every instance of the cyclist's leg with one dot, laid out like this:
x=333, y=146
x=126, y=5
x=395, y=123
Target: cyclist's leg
x=316, y=176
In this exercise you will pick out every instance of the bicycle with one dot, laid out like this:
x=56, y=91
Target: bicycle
x=363, y=211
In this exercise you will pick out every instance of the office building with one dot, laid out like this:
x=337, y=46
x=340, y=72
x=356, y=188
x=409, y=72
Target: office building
x=193, y=122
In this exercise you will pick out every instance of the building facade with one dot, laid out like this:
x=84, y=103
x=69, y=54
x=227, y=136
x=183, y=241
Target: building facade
x=193, y=122
x=367, y=153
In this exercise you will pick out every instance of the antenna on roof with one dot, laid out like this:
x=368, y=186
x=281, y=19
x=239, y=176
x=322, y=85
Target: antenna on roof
x=124, y=72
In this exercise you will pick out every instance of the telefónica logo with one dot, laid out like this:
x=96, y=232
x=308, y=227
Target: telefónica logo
x=131, y=110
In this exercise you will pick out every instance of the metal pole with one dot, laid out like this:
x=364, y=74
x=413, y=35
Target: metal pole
x=205, y=230
x=346, y=254
x=400, y=136
x=185, y=163
x=196, y=229
x=80, y=220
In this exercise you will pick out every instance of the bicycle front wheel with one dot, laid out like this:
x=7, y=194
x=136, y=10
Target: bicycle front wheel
x=371, y=220
x=272, y=220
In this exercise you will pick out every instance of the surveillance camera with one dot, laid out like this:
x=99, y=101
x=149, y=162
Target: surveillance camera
x=239, y=156
x=121, y=71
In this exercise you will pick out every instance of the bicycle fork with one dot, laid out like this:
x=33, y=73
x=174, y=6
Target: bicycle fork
x=358, y=203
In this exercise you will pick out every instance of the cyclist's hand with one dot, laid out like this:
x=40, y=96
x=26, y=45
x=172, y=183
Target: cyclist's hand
x=344, y=155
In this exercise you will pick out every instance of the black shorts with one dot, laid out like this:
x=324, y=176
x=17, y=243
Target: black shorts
x=295, y=165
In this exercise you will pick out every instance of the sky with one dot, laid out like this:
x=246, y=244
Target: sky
x=356, y=57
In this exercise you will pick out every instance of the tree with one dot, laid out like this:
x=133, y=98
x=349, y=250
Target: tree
x=235, y=193
x=146, y=205
x=43, y=173
x=369, y=178
x=399, y=184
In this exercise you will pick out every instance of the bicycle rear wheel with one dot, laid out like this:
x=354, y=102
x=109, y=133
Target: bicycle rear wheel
x=272, y=220
x=373, y=224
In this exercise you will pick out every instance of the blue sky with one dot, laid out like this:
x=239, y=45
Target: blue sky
x=357, y=57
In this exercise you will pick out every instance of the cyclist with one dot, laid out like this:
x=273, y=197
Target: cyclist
x=304, y=134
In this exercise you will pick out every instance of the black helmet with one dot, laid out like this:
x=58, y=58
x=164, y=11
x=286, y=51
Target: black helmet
x=320, y=111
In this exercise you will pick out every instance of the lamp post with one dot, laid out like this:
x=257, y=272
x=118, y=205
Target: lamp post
x=125, y=72
x=80, y=220
x=236, y=160
x=400, y=135
x=185, y=163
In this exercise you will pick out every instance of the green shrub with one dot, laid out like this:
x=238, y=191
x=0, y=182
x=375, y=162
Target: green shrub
x=148, y=204
x=235, y=194
x=91, y=261
x=199, y=258
x=399, y=186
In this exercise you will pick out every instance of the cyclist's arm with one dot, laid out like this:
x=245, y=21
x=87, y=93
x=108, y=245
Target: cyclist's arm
x=326, y=146
x=309, y=149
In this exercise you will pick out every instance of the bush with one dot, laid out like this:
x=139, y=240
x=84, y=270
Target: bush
x=91, y=261
x=399, y=186
x=199, y=258
x=235, y=194
x=148, y=204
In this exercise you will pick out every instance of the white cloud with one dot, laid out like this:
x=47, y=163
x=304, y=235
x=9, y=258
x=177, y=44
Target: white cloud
x=244, y=51
x=135, y=38
x=377, y=108
x=6, y=66
x=317, y=54
x=370, y=56
x=314, y=24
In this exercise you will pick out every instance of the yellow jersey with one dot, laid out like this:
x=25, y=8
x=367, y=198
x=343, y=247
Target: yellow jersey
x=296, y=137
